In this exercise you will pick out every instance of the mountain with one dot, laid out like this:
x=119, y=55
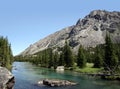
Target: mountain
x=89, y=32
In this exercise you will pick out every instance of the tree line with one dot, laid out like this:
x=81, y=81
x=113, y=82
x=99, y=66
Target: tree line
x=104, y=55
x=6, y=56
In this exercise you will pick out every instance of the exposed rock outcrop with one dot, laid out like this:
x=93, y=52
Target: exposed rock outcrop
x=6, y=79
x=89, y=32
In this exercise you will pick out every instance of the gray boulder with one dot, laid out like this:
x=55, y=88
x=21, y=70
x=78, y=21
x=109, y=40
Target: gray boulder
x=7, y=80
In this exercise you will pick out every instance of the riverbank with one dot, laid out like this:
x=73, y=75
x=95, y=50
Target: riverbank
x=88, y=69
x=27, y=76
x=95, y=72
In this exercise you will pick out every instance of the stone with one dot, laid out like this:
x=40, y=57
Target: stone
x=60, y=68
x=56, y=82
x=7, y=80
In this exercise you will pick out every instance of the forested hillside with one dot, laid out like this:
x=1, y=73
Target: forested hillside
x=105, y=56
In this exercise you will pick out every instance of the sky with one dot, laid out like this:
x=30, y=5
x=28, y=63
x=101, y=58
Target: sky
x=25, y=22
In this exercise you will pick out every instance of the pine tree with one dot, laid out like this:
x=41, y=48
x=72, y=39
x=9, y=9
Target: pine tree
x=56, y=57
x=98, y=58
x=51, y=58
x=68, y=56
x=61, y=60
x=111, y=60
x=81, y=61
x=10, y=54
x=46, y=58
x=6, y=57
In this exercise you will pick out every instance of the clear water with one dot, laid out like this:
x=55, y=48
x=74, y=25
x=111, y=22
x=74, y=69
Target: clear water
x=27, y=76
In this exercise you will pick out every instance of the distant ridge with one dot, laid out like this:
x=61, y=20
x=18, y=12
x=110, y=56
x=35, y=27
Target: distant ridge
x=89, y=32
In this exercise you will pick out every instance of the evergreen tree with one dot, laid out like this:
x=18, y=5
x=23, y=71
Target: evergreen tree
x=10, y=54
x=51, y=58
x=56, y=57
x=68, y=56
x=81, y=61
x=98, y=58
x=61, y=60
x=6, y=57
x=118, y=51
x=45, y=58
x=111, y=60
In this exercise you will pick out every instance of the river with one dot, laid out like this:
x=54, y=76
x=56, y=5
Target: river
x=27, y=76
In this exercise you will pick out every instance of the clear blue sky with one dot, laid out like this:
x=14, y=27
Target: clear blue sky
x=27, y=21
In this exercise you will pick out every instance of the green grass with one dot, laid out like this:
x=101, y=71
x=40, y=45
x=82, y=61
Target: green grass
x=89, y=65
x=88, y=69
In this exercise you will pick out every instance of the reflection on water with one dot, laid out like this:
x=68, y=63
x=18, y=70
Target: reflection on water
x=27, y=76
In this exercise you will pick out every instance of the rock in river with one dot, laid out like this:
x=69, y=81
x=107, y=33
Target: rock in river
x=56, y=82
x=6, y=79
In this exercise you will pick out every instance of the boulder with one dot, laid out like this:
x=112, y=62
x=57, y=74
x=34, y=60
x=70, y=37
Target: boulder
x=7, y=80
x=60, y=68
x=56, y=82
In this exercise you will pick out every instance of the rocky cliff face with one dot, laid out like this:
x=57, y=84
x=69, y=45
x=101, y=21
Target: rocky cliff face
x=6, y=79
x=89, y=32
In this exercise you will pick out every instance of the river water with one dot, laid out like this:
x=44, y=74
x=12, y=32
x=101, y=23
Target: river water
x=27, y=76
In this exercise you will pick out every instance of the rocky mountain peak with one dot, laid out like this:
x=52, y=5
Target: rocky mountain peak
x=89, y=32
x=100, y=13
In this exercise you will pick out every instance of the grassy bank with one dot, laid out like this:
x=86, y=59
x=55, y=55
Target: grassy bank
x=88, y=69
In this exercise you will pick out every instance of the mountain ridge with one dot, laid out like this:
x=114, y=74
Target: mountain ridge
x=89, y=32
